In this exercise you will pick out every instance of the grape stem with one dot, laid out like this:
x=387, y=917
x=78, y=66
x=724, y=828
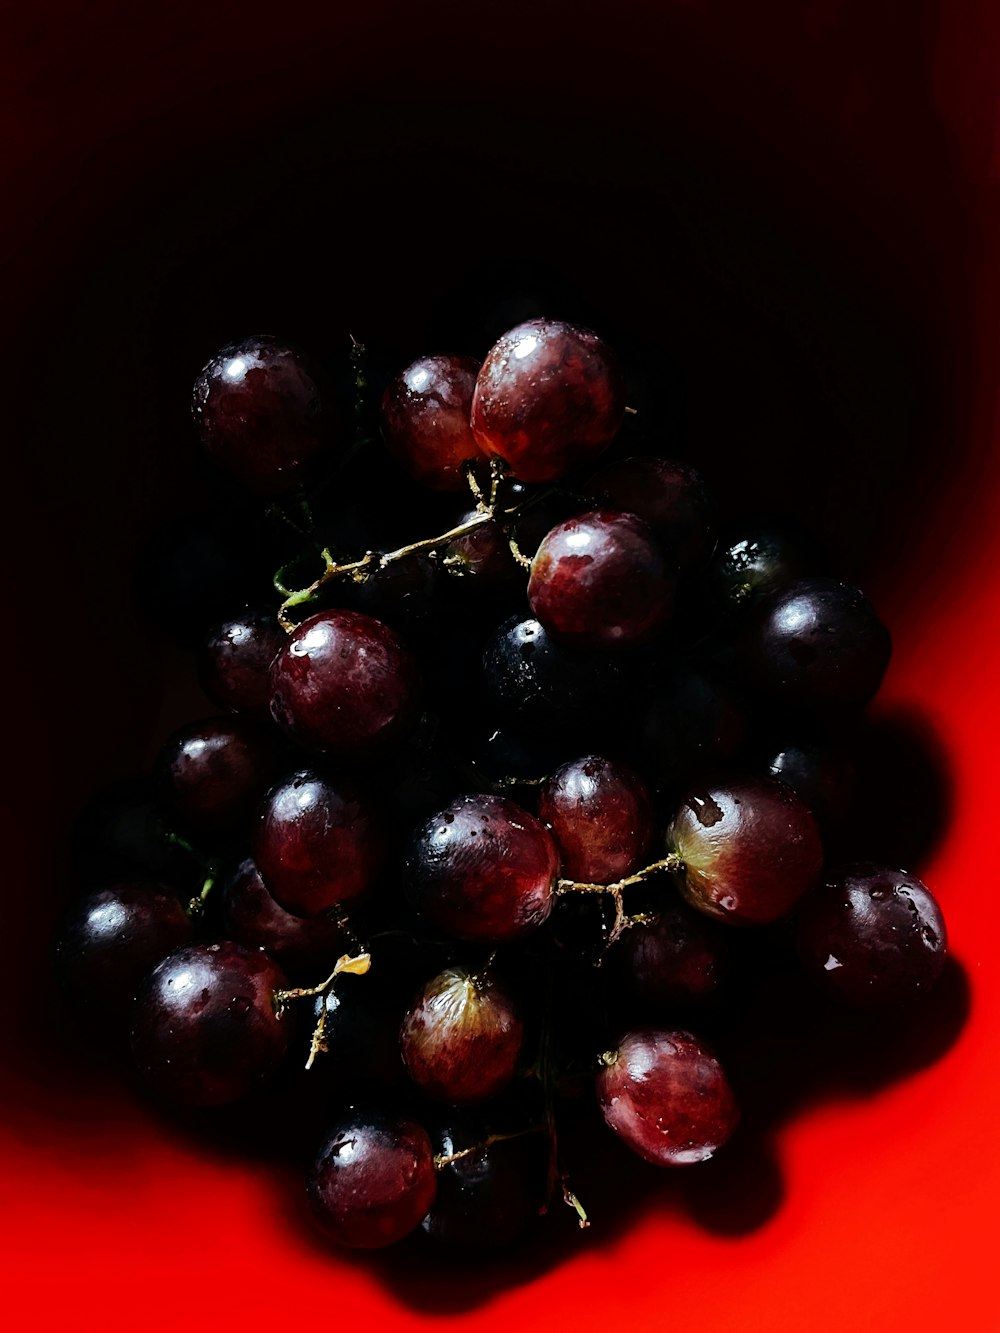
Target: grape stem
x=446, y=1159
x=357, y=965
x=197, y=904
x=671, y=863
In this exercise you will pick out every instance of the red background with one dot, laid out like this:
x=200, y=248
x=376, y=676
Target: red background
x=798, y=201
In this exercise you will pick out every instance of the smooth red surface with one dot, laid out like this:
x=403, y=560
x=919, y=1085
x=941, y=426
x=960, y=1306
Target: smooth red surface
x=866, y=136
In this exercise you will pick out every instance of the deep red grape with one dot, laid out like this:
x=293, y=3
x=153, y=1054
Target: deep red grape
x=670, y=496
x=483, y=869
x=600, y=580
x=318, y=843
x=215, y=772
x=235, y=661
x=108, y=941
x=750, y=849
x=678, y=958
x=303, y=947
x=872, y=935
x=344, y=683
x=601, y=816
x=461, y=1039
x=259, y=414
x=549, y=398
x=206, y=1025
x=373, y=1181
x=667, y=1097
x=425, y=420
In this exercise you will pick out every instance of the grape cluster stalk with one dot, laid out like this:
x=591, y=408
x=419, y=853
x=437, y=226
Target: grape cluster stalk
x=522, y=772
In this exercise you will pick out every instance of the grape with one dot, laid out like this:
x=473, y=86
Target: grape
x=124, y=833
x=346, y=684
x=109, y=940
x=317, y=843
x=425, y=420
x=667, y=1097
x=483, y=869
x=671, y=497
x=549, y=398
x=373, y=1181
x=487, y=1199
x=822, y=776
x=206, y=1025
x=600, y=581
x=252, y=917
x=601, y=816
x=760, y=559
x=260, y=416
x=215, y=772
x=484, y=556
x=871, y=935
x=235, y=661
x=750, y=849
x=679, y=957
x=461, y=1038
x=818, y=645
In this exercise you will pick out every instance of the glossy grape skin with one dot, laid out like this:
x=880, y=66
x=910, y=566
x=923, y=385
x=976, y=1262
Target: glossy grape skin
x=206, y=1027
x=108, y=941
x=871, y=935
x=541, y=687
x=304, y=947
x=548, y=399
x=680, y=958
x=373, y=1181
x=346, y=684
x=216, y=771
x=259, y=414
x=425, y=420
x=317, y=843
x=601, y=816
x=235, y=661
x=750, y=849
x=824, y=777
x=600, y=580
x=670, y=496
x=483, y=869
x=818, y=645
x=758, y=560
x=461, y=1038
x=666, y=1097
x=488, y=1200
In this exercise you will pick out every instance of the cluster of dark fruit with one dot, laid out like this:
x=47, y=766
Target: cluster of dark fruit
x=494, y=821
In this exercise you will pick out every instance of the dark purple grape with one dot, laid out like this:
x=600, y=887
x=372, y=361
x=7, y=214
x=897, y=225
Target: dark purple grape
x=671, y=497
x=549, y=398
x=317, y=843
x=483, y=869
x=759, y=560
x=487, y=1199
x=260, y=416
x=216, y=771
x=678, y=958
x=750, y=849
x=235, y=661
x=303, y=947
x=461, y=1039
x=667, y=1097
x=425, y=420
x=108, y=941
x=872, y=935
x=401, y=594
x=601, y=581
x=601, y=816
x=541, y=688
x=818, y=645
x=373, y=1181
x=124, y=833
x=484, y=557
x=823, y=776
x=344, y=683
x=207, y=1027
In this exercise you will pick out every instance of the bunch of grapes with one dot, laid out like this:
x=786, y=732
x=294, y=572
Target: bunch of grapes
x=521, y=775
